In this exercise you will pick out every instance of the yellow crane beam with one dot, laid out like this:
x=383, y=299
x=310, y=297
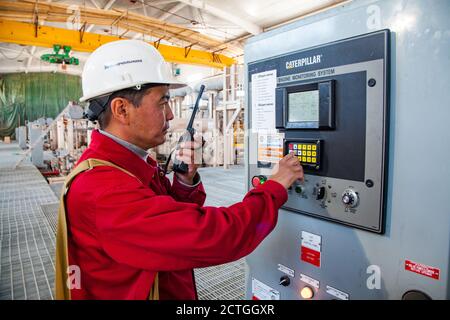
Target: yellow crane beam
x=45, y=36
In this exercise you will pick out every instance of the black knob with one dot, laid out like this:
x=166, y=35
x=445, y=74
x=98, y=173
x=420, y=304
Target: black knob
x=285, y=281
x=415, y=295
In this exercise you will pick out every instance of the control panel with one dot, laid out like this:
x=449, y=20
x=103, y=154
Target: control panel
x=331, y=113
x=359, y=106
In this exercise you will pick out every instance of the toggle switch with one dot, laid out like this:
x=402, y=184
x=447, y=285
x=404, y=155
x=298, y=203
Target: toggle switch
x=320, y=193
x=285, y=281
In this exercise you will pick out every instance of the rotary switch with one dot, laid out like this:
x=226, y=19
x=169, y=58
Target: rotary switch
x=350, y=198
x=285, y=281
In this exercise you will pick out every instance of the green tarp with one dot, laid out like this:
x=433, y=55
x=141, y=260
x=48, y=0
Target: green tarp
x=34, y=95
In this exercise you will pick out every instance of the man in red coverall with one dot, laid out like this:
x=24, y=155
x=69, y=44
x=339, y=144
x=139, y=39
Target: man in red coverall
x=123, y=230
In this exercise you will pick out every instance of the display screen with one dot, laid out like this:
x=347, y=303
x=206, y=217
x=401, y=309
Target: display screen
x=303, y=106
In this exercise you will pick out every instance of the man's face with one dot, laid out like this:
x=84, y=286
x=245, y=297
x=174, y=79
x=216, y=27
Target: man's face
x=150, y=121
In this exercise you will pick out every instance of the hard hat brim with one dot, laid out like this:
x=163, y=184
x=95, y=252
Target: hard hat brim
x=172, y=85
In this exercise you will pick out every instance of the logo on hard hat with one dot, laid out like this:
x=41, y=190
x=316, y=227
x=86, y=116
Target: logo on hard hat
x=107, y=66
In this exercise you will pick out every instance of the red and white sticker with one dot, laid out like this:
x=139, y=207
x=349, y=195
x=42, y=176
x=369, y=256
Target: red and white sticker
x=311, y=248
x=422, y=269
x=261, y=291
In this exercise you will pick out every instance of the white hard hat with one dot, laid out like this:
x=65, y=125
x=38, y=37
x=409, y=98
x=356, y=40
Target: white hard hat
x=124, y=64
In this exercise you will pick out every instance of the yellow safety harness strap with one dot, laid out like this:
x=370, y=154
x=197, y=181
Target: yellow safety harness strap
x=62, y=256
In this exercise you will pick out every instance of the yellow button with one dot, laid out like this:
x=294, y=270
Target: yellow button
x=314, y=147
x=307, y=293
x=308, y=159
x=313, y=160
x=308, y=153
x=313, y=153
x=299, y=158
x=309, y=147
x=304, y=159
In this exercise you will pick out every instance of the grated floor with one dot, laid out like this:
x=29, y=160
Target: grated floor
x=27, y=242
x=227, y=281
x=28, y=215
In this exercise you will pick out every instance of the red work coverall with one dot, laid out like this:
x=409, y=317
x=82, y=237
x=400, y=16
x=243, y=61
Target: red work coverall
x=122, y=231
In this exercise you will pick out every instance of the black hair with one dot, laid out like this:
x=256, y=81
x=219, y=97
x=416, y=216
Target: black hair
x=132, y=95
x=100, y=108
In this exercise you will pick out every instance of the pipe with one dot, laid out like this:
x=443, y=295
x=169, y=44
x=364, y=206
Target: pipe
x=180, y=92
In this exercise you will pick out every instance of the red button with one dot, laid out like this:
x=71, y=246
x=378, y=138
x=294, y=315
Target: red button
x=256, y=182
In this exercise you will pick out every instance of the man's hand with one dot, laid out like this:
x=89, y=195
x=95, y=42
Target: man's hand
x=190, y=152
x=287, y=171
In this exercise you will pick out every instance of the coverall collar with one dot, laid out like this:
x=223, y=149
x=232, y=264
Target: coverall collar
x=123, y=157
x=139, y=151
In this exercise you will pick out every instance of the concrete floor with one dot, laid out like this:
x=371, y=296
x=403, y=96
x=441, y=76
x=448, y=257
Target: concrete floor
x=28, y=210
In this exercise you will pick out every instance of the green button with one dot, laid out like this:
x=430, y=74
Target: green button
x=298, y=189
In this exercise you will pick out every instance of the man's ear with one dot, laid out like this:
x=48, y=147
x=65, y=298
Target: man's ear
x=120, y=110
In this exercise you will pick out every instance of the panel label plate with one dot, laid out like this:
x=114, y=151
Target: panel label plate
x=286, y=270
x=261, y=291
x=337, y=293
x=308, y=280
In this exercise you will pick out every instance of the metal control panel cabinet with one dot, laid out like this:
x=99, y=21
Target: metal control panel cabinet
x=360, y=95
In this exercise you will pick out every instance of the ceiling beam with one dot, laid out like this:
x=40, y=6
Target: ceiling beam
x=144, y=8
x=220, y=13
x=30, y=59
x=94, y=2
x=33, y=49
x=172, y=10
x=24, y=33
x=106, y=7
x=23, y=51
x=43, y=68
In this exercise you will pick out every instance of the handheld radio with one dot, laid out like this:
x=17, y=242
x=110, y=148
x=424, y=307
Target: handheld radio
x=180, y=166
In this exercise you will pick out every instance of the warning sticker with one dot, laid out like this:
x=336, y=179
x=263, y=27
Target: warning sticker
x=270, y=147
x=311, y=248
x=422, y=269
x=261, y=291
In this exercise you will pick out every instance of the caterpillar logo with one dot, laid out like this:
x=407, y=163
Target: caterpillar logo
x=303, y=62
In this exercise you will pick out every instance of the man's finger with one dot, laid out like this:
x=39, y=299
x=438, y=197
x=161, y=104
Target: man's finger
x=185, y=151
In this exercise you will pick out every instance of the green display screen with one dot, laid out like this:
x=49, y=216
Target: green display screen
x=303, y=106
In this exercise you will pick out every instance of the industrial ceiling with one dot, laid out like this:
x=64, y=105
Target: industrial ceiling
x=201, y=32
